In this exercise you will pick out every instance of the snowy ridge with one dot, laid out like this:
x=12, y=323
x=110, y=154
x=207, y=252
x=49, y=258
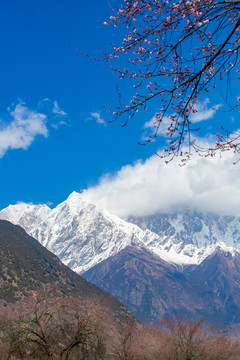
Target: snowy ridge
x=82, y=235
x=195, y=228
x=26, y=215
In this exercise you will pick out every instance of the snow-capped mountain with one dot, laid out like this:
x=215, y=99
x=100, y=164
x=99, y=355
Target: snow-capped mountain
x=193, y=228
x=82, y=235
x=192, y=234
x=142, y=263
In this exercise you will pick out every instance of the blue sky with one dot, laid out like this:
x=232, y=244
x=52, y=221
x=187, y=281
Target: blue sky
x=52, y=141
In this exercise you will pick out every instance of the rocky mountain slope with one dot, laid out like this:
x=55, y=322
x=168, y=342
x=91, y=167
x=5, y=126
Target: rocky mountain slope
x=152, y=288
x=25, y=266
x=144, y=282
x=82, y=235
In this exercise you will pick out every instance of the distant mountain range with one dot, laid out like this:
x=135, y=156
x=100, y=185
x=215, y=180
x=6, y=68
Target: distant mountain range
x=157, y=265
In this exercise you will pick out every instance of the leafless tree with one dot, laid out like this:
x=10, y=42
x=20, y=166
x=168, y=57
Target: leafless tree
x=50, y=327
x=176, y=51
x=192, y=340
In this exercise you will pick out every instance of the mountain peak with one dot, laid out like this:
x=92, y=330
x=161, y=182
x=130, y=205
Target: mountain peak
x=74, y=196
x=83, y=235
x=76, y=203
x=25, y=214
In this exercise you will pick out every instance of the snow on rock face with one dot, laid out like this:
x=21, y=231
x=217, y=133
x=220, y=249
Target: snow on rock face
x=193, y=228
x=26, y=215
x=82, y=235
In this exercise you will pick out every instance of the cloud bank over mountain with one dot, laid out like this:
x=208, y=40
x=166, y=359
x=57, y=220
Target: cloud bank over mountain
x=149, y=187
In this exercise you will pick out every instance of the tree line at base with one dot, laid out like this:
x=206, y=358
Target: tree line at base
x=50, y=326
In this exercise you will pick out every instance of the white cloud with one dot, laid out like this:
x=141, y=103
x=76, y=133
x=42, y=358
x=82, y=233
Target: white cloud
x=49, y=203
x=144, y=188
x=21, y=132
x=152, y=124
x=60, y=123
x=57, y=110
x=97, y=116
x=202, y=112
